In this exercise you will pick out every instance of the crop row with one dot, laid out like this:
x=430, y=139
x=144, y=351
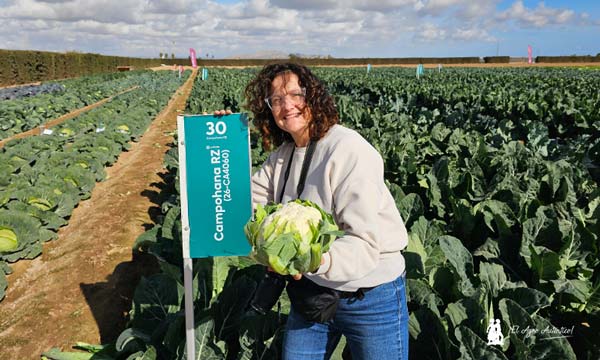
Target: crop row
x=29, y=90
x=43, y=178
x=494, y=173
x=24, y=114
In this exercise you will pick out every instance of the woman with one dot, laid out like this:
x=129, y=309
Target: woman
x=293, y=110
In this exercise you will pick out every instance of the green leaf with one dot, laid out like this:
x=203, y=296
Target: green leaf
x=429, y=335
x=434, y=195
x=468, y=312
x=531, y=300
x=419, y=292
x=261, y=336
x=443, y=281
x=230, y=306
x=472, y=347
x=489, y=250
x=147, y=239
x=90, y=347
x=533, y=336
x=170, y=227
x=155, y=300
x=206, y=349
x=148, y=354
x=493, y=277
x=3, y=284
x=129, y=335
x=8, y=239
x=57, y=354
x=545, y=263
x=461, y=261
x=411, y=208
x=221, y=266
x=557, y=184
x=27, y=230
x=531, y=231
x=498, y=212
x=580, y=290
x=426, y=232
x=593, y=303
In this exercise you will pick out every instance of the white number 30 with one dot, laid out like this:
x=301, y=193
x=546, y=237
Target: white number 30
x=219, y=128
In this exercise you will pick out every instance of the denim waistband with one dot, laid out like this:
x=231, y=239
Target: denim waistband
x=358, y=294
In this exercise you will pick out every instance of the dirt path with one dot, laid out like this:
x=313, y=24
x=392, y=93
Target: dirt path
x=60, y=120
x=80, y=288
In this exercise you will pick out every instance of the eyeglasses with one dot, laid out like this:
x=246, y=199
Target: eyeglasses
x=296, y=98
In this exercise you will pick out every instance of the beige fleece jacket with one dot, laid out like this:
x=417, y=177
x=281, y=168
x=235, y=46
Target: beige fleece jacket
x=345, y=178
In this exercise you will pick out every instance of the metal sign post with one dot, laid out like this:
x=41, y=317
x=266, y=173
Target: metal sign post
x=216, y=200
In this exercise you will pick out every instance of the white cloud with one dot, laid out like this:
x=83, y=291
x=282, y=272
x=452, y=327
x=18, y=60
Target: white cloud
x=431, y=32
x=174, y=6
x=538, y=17
x=472, y=34
x=383, y=5
x=111, y=11
x=251, y=9
x=306, y=4
x=362, y=5
x=350, y=28
x=459, y=8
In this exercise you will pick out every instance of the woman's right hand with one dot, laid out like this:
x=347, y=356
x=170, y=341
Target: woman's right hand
x=219, y=112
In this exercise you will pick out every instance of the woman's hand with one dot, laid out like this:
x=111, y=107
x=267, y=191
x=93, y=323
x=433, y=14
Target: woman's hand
x=219, y=112
x=297, y=276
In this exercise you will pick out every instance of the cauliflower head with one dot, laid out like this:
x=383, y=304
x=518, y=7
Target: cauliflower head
x=290, y=238
x=292, y=217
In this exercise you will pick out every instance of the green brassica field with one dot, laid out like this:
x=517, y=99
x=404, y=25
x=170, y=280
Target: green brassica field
x=43, y=178
x=495, y=172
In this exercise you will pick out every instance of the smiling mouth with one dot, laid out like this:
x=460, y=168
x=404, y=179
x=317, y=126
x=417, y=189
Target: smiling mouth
x=291, y=116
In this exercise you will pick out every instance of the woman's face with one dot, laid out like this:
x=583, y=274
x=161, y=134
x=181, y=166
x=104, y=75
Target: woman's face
x=288, y=106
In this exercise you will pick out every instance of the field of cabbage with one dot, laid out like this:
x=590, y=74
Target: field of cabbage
x=43, y=178
x=496, y=174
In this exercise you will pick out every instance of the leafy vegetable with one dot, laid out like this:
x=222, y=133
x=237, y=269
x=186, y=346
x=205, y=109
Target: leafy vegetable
x=8, y=239
x=291, y=238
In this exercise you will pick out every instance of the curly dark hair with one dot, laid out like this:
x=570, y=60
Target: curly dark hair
x=319, y=103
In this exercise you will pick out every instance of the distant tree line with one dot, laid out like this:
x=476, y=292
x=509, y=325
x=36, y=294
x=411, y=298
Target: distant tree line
x=25, y=66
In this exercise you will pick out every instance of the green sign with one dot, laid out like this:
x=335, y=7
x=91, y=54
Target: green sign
x=214, y=170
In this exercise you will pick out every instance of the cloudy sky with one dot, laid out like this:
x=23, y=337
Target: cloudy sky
x=350, y=28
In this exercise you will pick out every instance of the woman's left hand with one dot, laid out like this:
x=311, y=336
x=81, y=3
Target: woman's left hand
x=299, y=276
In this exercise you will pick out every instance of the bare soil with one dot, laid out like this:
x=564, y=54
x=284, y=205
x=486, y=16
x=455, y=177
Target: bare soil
x=80, y=288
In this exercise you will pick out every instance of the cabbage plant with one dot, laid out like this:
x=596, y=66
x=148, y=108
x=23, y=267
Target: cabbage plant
x=291, y=238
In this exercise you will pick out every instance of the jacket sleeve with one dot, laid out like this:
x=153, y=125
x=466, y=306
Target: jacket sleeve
x=263, y=187
x=358, y=189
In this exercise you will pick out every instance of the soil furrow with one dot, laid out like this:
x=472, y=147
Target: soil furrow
x=80, y=288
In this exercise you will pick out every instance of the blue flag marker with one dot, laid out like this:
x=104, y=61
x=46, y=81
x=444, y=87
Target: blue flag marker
x=420, y=70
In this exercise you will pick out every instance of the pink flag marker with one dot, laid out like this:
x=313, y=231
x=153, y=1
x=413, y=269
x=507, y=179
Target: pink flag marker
x=193, y=58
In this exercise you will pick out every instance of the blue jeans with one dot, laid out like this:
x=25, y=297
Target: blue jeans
x=376, y=328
